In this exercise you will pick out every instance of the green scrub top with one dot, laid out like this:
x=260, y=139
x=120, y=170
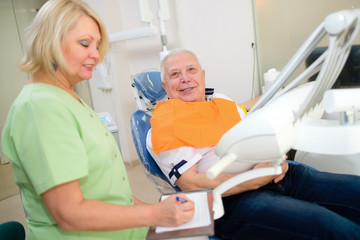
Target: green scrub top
x=50, y=139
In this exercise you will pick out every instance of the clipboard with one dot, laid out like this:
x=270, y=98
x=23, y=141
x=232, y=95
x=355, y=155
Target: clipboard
x=191, y=232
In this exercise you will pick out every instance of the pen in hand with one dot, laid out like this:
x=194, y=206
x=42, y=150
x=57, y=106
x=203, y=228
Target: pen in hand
x=180, y=199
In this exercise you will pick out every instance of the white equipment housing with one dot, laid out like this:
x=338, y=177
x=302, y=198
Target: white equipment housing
x=289, y=114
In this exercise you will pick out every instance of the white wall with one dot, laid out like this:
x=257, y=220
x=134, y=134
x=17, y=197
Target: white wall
x=219, y=32
x=119, y=102
x=11, y=27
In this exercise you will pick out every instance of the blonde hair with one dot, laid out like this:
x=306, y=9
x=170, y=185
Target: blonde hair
x=49, y=28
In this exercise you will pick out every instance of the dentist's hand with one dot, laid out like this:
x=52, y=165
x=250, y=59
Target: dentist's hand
x=173, y=212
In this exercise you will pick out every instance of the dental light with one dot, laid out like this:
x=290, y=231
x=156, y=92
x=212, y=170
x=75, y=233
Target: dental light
x=289, y=114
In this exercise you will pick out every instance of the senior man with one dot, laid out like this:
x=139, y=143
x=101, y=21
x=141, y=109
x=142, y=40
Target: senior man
x=298, y=204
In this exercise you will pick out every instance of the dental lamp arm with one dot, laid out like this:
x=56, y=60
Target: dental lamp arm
x=274, y=123
x=218, y=207
x=339, y=25
x=334, y=136
x=164, y=15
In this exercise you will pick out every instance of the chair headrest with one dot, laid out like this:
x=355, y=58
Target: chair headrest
x=149, y=83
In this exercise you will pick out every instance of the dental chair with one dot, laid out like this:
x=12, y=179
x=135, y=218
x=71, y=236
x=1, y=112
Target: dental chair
x=148, y=91
x=140, y=125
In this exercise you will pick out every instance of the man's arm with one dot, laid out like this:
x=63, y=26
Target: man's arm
x=193, y=180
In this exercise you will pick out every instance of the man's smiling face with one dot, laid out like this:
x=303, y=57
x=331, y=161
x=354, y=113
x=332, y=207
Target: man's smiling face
x=184, y=78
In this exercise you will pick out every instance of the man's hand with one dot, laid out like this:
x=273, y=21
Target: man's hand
x=273, y=178
x=193, y=180
x=285, y=168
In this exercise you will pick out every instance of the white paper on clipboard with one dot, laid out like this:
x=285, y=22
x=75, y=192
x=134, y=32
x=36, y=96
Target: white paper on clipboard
x=201, y=216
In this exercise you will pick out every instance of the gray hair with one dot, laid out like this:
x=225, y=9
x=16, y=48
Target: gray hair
x=170, y=53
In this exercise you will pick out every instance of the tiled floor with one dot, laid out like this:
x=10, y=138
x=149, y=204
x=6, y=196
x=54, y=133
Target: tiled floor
x=11, y=208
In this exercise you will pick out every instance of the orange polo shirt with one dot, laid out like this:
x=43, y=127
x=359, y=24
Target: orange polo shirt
x=176, y=123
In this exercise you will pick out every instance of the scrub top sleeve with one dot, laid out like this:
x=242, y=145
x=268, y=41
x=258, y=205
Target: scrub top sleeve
x=48, y=142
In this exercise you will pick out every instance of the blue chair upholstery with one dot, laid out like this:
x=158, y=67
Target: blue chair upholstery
x=140, y=125
x=148, y=90
x=149, y=83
